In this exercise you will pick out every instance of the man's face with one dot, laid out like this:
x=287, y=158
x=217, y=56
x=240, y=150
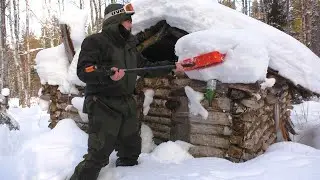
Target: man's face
x=127, y=24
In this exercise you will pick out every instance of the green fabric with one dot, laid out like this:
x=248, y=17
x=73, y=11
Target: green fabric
x=112, y=121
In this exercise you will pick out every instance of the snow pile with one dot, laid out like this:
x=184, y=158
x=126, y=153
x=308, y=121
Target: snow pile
x=269, y=82
x=77, y=102
x=195, y=99
x=5, y=91
x=76, y=19
x=44, y=105
x=14, y=102
x=148, y=98
x=36, y=152
x=251, y=45
x=306, y=119
x=52, y=64
x=169, y=152
x=52, y=68
x=246, y=58
x=53, y=154
x=147, y=139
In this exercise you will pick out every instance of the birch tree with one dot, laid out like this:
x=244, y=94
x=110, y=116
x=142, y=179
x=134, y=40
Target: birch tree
x=3, y=59
x=27, y=63
x=14, y=19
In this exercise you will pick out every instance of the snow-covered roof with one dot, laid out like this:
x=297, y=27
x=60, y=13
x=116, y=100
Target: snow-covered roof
x=251, y=45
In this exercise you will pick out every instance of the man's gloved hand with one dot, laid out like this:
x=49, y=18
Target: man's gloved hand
x=119, y=73
x=179, y=67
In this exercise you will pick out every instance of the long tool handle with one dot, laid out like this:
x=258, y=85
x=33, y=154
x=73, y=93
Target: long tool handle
x=110, y=73
x=150, y=68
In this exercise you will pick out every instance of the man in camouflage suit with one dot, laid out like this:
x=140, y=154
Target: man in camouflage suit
x=109, y=99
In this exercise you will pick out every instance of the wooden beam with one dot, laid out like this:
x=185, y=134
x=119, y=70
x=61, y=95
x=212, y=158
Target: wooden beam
x=66, y=39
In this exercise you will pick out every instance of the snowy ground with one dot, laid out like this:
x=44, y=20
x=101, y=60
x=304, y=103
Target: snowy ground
x=36, y=153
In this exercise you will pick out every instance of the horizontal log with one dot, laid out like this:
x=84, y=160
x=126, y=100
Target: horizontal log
x=209, y=129
x=206, y=151
x=214, y=118
x=161, y=135
x=160, y=93
x=156, y=83
x=209, y=140
x=158, y=127
x=156, y=119
x=249, y=88
x=161, y=112
x=182, y=82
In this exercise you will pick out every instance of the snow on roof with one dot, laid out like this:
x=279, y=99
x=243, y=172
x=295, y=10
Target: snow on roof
x=52, y=64
x=251, y=45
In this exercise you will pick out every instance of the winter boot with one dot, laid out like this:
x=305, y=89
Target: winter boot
x=126, y=162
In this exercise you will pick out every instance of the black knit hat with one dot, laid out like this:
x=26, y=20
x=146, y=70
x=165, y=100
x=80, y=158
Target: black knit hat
x=115, y=19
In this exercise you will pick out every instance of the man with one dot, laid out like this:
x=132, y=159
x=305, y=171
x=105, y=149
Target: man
x=109, y=102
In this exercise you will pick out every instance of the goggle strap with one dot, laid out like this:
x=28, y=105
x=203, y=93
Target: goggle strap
x=119, y=11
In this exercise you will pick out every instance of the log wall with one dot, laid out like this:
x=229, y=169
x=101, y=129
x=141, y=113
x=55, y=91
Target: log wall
x=241, y=122
x=58, y=106
x=240, y=126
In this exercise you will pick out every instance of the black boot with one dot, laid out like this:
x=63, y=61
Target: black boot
x=126, y=162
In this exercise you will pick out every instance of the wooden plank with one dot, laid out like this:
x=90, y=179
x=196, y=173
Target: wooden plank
x=206, y=151
x=161, y=112
x=158, y=127
x=68, y=45
x=214, y=118
x=161, y=135
x=209, y=140
x=156, y=119
x=160, y=93
x=209, y=129
x=157, y=82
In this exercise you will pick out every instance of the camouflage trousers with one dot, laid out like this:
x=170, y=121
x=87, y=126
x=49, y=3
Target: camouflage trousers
x=113, y=125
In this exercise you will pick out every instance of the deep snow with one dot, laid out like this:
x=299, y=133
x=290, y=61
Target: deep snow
x=36, y=152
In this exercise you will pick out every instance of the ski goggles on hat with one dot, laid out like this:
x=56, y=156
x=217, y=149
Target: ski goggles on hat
x=126, y=9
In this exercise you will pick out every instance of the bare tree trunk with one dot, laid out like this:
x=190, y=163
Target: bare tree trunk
x=15, y=41
x=28, y=64
x=315, y=29
x=92, y=17
x=306, y=21
x=263, y=10
x=99, y=14
x=246, y=6
x=2, y=42
x=81, y=4
x=96, y=15
x=59, y=6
